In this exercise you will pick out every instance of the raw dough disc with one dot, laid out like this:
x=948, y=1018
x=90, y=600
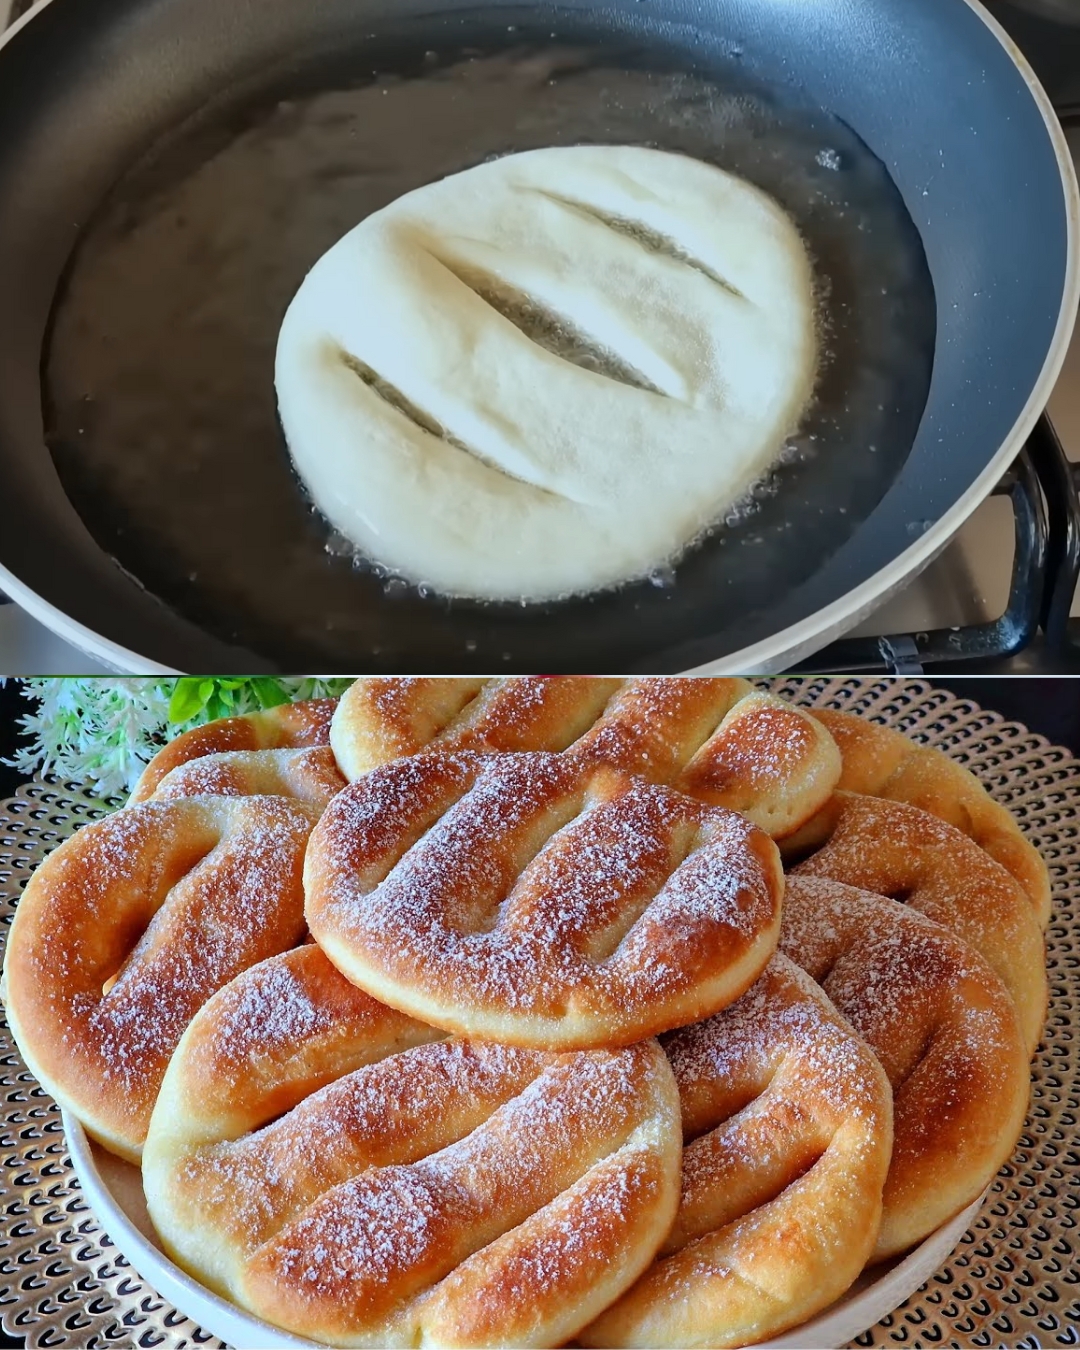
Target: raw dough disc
x=549, y=373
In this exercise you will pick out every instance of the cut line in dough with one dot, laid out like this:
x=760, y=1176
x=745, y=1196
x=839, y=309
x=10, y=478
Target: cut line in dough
x=648, y=239
x=554, y=332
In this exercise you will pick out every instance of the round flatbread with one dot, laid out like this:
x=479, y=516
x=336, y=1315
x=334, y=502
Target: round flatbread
x=549, y=373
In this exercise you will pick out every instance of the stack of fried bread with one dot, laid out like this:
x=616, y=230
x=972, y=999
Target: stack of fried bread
x=535, y=1011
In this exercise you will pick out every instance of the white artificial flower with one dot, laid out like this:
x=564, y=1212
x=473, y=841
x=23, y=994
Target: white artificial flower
x=102, y=732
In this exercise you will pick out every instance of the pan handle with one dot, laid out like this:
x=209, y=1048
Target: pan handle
x=1026, y=483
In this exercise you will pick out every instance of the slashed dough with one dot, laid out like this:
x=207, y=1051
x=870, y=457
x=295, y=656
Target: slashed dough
x=549, y=373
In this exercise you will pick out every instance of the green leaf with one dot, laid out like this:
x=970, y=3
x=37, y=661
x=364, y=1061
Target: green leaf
x=269, y=692
x=218, y=705
x=188, y=698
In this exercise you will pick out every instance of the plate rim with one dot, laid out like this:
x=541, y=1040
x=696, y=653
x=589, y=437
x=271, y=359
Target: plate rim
x=831, y=1329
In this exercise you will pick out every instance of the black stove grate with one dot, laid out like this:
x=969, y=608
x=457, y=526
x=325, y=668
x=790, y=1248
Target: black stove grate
x=1042, y=487
x=1036, y=634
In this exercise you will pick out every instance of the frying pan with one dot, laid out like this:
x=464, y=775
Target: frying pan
x=107, y=104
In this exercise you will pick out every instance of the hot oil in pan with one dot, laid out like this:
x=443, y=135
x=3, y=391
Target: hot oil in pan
x=160, y=403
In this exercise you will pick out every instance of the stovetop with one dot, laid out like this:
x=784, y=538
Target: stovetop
x=983, y=605
x=994, y=572
x=1002, y=597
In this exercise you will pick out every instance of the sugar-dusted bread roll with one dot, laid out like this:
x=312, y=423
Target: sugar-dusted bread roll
x=535, y=900
x=945, y=1030
x=549, y=373
x=126, y=930
x=309, y=775
x=714, y=739
x=333, y=1167
x=292, y=726
x=880, y=762
x=897, y=850
x=787, y=1119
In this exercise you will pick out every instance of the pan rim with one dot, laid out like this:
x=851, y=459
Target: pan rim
x=803, y=638
x=847, y=610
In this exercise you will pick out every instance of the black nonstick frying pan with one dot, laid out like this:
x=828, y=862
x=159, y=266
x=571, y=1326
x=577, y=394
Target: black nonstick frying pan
x=169, y=169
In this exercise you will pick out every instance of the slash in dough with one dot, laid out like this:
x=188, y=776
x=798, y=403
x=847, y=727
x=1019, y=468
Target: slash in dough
x=546, y=375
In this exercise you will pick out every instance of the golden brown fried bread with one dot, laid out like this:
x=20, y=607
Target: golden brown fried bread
x=538, y=901
x=292, y=726
x=880, y=762
x=125, y=931
x=771, y=761
x=787, y=1116
x=714, y=739
x=382, y=718
x=314, y=1160
x=653, y=726
x=719, y=741
x=310, y=776
x=907, y=854
x=945, y=1030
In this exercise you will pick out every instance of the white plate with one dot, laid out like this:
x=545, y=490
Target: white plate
x=113, y=1189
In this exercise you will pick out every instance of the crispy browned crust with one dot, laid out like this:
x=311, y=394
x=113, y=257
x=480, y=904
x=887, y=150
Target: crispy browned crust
x=318, y=1158
x=768, y=759
x=714, y=739
x=945, y=1030
x=788, y=1118
x=163, y=903
x=654, y=726
x=310, y=776
x=880, y=762
x=907, y=854
x=382, y=718
x=292, y=726
x=539, y=901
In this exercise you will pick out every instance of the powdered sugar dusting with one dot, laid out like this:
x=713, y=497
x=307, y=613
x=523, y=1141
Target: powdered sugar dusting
x=547, y=886
x=763, y=744
x=236, y=899
x=559, y=1253
x=502, y=715
x=902, y=981
x=528, y=713
x=371, y=825
x=598, y=874
x=657, y=723
x=374, y=1230
x=770, y=1088
x=271, y=1013
x=389, y=727
x=356, y=1224
x=469, y=859
x=388, y=1113
x=900, y=851
x=308, y=775
x=731, y=1058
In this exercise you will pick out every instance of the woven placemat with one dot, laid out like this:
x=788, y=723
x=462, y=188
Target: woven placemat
x=1014, y=1280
